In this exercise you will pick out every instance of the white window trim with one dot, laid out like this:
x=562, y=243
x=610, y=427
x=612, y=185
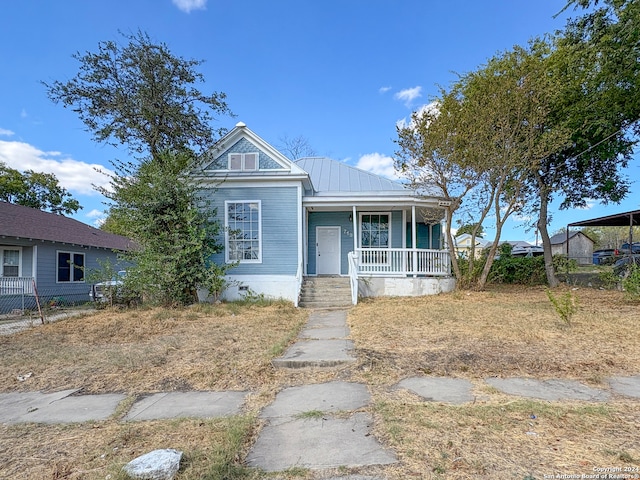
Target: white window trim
x=71, y=253
x=8, y=247
x=242, y=162
x=227, y=228
x=360, y=228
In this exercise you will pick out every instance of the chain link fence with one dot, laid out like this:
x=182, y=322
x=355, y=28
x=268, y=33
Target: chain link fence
x=24, y=300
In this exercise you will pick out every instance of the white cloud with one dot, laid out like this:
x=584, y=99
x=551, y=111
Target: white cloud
x=188, y=5
x=23, y=113
x=431, y=108
x=5, y=132
x=75, y=176
x=408, y=95
x=97, y=216
x=379, y=164
x=384, y=89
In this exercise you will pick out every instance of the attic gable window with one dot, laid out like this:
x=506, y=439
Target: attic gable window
x=243, y=161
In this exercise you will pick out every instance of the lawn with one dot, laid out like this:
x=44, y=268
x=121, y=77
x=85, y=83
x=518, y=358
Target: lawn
x=472, y=335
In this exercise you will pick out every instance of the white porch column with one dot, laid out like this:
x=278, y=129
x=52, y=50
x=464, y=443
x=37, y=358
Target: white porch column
x=355, y=228
x=414, y=237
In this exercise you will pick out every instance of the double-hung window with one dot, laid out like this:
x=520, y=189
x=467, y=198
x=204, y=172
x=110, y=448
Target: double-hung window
x=10, y=262
x=70, y=267
x=243, y=224
x=243, y=161
x=375, y=234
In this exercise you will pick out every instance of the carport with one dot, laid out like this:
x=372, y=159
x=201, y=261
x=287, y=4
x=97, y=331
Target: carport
x=627, y=219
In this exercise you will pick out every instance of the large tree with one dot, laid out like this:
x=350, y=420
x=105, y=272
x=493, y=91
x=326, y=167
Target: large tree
x=597, y=59
x=142, y=96
x=156, y=205
x=487, y=135
x=36, y=190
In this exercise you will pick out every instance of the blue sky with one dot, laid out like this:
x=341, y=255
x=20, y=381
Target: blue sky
x=340, y=73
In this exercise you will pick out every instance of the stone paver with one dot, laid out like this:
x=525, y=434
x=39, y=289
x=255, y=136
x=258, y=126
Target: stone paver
x=440, y=389
x=551, y=390
x=319, y=444
x=57, y=407
x=323, y=397
x=187, y=404
x=627, y=386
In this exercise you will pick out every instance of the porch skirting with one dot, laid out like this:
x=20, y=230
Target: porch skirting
x=404, y=286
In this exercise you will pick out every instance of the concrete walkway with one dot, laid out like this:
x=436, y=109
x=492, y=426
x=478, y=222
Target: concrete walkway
x=316, y=426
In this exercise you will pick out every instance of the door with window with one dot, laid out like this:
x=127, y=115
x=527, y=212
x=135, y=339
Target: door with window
x=328, y=250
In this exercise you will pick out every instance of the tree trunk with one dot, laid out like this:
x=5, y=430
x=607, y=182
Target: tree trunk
x=452, y=251
x=552, y=280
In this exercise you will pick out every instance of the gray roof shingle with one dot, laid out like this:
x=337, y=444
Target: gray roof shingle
x=30, y=223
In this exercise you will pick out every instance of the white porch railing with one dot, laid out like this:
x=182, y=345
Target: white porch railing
x=16, y=286
x=403, y=262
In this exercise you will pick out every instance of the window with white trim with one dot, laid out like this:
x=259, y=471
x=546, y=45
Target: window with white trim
x=10, y=262
x=243, y=161
x=243, y=224
x=70, y=267
x=375, y=230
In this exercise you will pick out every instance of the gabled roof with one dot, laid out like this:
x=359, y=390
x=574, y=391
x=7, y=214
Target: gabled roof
x=560, y=238
x=329, y=175
x=17, y=221
x=239, y=132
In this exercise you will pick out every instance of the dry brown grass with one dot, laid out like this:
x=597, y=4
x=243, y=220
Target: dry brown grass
x=473, y=335
x=504, y=332
x=228, y=347
x=137, y=352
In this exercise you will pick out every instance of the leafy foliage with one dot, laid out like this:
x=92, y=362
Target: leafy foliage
x=142, y=96
x=158, y=207
x=517, y=270
x=631, y=282
x=35, y=190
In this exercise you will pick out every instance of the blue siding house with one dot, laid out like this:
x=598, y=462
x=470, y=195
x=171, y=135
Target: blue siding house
x=50, y=254
x=285, y=220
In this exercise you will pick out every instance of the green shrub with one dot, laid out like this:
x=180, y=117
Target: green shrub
x=565, y=305
x=631, y=283
x=518, y=270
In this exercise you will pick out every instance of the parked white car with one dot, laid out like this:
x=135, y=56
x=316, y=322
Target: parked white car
x=107, y=291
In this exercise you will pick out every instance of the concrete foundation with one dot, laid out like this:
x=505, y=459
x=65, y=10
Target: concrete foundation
x=404, y=286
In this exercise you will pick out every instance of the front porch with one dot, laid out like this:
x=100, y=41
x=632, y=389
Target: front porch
x=402, y=262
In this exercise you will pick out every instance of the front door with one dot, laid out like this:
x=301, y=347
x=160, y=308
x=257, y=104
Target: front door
x=328, y=250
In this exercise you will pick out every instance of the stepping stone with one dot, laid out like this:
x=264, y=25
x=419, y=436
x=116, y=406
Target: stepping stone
x=316, y=353
x=439, y=389
x=319, y=444
x=187, y=404
x=551, y=390
x=628, y=386
x=324, y=397
x=57, y=407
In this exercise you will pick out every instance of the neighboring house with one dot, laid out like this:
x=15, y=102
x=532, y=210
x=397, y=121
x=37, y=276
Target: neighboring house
x=49, y=251
x=285, y=220
x=463, y=245
x=579, y=247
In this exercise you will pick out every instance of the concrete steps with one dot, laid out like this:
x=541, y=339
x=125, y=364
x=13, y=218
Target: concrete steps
x=325, y=292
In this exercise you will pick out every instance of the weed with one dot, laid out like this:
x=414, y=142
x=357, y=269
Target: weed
x=631, y=283
x=225, y=461
x=310, y=415
x=565, y=305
